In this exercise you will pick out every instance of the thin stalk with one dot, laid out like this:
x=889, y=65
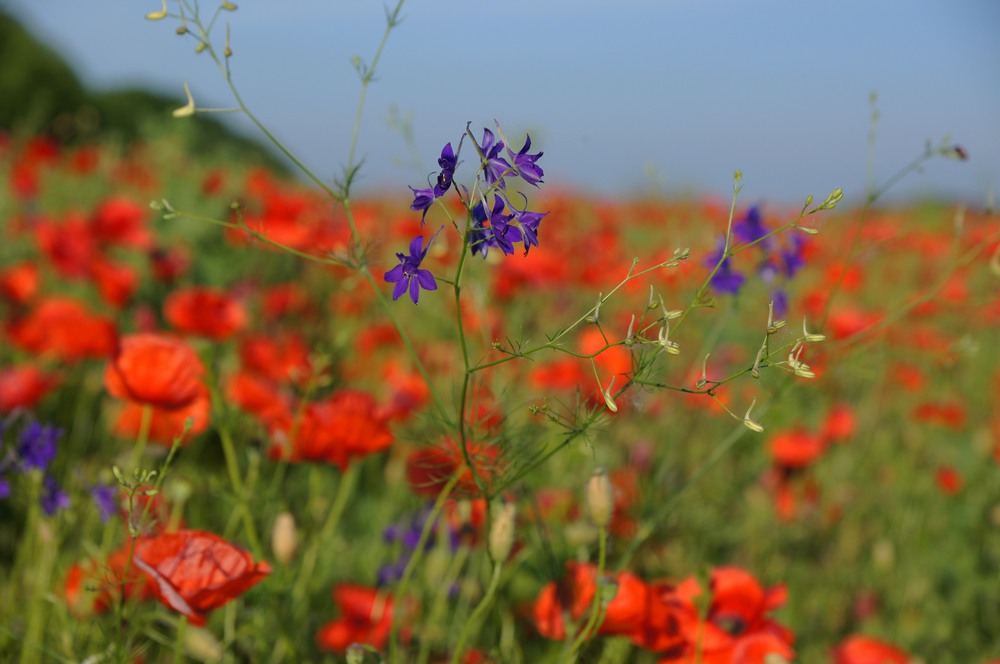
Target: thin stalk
x=477, y=613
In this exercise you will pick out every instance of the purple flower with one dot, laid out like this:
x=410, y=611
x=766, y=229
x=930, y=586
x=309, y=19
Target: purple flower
x=499, y=233
x=408, y=275
x=4, y=488
x=495, y=167
x=528, y=221
x=104, y=498
x=524, y=163
x=38, y=446
x=422, y=201
x=780, y=299
x=53, y=498
x=751, y=228
x=448, y=162
x=725, y=279
x=792, y=257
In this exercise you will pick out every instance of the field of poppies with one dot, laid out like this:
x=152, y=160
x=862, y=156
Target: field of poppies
x=246, y=418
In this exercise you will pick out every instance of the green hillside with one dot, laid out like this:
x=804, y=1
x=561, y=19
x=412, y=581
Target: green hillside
x=41, y=94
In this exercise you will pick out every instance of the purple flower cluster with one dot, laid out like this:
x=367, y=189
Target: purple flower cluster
x=777, y=264
x=407, y=534
x=500, y=224
x=32, y=449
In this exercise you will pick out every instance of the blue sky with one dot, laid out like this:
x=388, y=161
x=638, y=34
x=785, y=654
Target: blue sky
x=672, y=94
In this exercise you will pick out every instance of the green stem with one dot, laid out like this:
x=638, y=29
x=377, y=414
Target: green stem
x=477, y=613
x=418, y=551
x=597, y=605
x=345, y=489
x=145, y=423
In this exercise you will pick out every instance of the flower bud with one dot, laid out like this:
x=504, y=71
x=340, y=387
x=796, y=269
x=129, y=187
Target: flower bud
x=156, y=16
x=600, y=498
x=201, y=645
x=502, y=532
x=284, y=538
x=187, y=110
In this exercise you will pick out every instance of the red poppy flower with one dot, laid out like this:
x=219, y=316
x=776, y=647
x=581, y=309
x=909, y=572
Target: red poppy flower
x=627, y=614
x=194, y=572
x=65, y=329
x=155, y=369
x=119, y=221
x=116, y=283
x=429, y=469
x=166, y=424
x=737, y=628
x=796, y=448
x=365, y=617
x=23, y=386
x=948, y=480
x=281, y=358
x=946, y=414
x=863, y=650
x=69, y=246
x=205, y=312
x=93, y=588
x=19, y=283
x=261, y=398
x=839, y=425
x=345, y=426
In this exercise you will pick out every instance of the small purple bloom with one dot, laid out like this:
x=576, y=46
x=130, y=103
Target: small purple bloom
x=4, y=488
x=524, y=163
x=53, y=498
x=725, y=279
x=104, y=498
x=499, y=233
x=422, y=201
x=780, y=299
x=408, y=275
x=448, y=163
x=792, y=257
x=495, y=167
x=751, y=228
x=528, y=222
x=38, y=446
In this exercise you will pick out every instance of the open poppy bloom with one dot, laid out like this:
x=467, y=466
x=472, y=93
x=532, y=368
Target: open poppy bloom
x=155, y=370
x=194, y=572
x=625, y=614
x=737, y=627
x=343, y=427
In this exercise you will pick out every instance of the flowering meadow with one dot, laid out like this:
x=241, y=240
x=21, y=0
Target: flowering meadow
x=486, y=419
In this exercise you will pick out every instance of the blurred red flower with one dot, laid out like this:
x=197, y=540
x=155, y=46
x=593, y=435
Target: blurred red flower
x=429, y=469
x=343, y=427
x=205, y=312
x=863, y=650
x=119, y=221
x=65, y=329
x=19, y=283
x=365, y=617
x=23, y=386
x=737, y=628
x=166, y=424
x=194, y=572
x=91, y=587
x=625, y=615
x=156, y=370
x=796, y=448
